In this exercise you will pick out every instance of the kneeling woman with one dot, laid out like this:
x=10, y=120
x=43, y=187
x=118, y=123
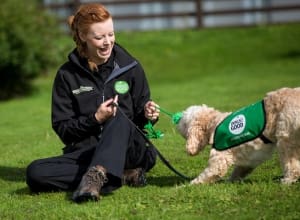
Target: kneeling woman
x=103, y=149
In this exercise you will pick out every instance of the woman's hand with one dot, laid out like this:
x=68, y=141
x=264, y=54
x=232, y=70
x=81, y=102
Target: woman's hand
x=107, y=109
x=151, y=110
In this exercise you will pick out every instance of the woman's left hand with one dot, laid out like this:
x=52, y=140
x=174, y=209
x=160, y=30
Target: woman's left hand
x=151, y=110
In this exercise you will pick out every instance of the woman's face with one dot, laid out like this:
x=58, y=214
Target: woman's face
x=100, y=40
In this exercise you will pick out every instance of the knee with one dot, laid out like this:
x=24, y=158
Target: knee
x=34, y=175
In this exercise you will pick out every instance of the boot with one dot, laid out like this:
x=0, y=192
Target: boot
x=90, y=185
x=134, y=177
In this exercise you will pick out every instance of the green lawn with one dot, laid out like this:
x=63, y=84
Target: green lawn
x=223, y=68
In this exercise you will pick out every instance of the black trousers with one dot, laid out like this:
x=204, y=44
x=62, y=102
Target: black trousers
x=121, y=147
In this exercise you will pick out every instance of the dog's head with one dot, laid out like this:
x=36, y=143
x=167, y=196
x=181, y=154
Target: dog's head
x=196, y=127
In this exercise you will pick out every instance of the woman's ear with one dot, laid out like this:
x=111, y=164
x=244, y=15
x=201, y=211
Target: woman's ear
x=82, y=37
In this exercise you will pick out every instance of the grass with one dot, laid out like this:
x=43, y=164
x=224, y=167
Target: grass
x=223, y=68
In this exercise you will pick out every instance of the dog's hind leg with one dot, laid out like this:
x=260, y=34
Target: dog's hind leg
x=290, y=163
x=240, y=173
x=288, y=145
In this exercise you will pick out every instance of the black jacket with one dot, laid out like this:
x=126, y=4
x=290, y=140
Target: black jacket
x=78, y=92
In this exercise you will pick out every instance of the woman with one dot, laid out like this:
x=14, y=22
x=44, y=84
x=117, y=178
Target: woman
x=96, y=96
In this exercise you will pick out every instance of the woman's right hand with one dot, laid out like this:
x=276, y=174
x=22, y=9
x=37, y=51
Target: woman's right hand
x=107, y=109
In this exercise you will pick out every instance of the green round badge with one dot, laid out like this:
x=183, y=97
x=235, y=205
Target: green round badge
x=121, y=87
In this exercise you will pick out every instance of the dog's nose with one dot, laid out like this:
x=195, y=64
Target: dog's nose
x=191, y=151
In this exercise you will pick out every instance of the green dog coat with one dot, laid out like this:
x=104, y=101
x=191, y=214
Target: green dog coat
x=241, y=126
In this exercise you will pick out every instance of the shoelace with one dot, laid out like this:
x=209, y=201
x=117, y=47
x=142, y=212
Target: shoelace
x=96, y=176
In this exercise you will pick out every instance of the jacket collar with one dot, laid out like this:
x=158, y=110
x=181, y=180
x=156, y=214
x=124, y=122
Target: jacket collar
x=120, y=61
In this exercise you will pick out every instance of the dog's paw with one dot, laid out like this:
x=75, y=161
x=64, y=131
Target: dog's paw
x=288, y=180
x=181, y=186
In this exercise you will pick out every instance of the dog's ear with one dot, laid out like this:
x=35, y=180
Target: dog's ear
x=196, y=140
x=192, y=144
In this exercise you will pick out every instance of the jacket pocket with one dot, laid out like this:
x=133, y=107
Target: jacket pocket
x=87, y=102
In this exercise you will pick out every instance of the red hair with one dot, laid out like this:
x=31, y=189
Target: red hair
x=86, y=15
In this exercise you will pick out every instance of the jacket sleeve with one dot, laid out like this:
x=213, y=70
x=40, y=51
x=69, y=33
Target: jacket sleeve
x=69, y=127
x=140, y=95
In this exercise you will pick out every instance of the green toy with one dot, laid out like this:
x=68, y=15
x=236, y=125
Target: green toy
x=152, y=133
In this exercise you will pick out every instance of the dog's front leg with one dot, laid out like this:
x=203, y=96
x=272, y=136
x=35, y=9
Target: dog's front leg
x=218, y=164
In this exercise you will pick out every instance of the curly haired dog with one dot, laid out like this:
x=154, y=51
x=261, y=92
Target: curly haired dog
x=282, y=129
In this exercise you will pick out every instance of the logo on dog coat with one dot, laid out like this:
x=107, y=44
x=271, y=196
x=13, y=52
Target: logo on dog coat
x=237, y=124
x=241, y=126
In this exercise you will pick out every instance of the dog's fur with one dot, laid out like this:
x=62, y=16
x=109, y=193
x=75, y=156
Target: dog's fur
x=282, y=128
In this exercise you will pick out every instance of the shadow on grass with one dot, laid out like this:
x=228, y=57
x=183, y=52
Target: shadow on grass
x=166, y=181
x=23, y=191
x=15, y=174
x=291, y=54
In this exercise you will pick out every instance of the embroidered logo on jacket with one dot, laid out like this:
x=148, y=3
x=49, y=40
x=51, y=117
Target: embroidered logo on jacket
x=82, y=89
